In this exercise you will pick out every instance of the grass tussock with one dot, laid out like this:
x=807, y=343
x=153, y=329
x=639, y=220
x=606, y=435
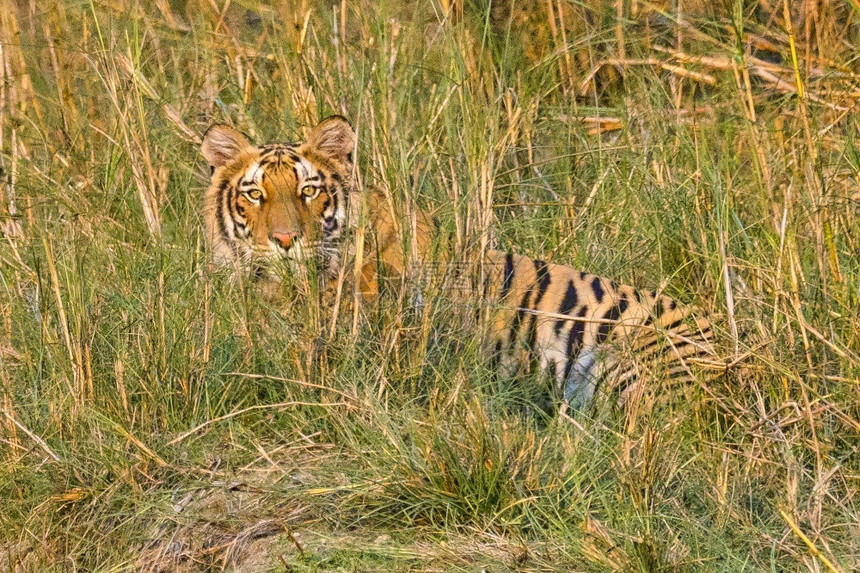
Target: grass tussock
x=156, y=415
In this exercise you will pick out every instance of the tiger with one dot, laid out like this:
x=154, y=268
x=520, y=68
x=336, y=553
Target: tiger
x=588, y=333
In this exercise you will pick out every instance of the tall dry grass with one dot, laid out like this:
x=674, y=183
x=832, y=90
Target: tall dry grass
x=157, y=416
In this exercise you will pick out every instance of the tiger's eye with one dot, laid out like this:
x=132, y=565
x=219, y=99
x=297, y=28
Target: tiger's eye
x=309, y=190
x=254, y=194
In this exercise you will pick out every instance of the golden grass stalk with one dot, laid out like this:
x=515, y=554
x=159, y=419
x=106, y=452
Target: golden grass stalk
x=808, y=542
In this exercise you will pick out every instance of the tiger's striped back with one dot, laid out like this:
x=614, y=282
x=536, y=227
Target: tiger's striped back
x=590, y=334
x=587, y=331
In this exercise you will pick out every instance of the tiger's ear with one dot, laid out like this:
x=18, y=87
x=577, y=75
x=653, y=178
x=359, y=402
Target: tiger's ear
x=221, y=144
x=333, y=137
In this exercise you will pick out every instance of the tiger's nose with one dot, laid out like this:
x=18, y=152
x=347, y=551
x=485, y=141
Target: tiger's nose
x=284, y=239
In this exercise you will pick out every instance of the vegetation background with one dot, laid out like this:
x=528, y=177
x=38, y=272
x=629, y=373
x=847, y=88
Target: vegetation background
x=155, y=416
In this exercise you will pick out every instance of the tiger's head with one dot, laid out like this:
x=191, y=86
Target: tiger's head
x=279, y=201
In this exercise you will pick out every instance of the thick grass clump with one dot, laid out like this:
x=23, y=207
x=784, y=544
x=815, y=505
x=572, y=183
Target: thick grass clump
x=157, y=414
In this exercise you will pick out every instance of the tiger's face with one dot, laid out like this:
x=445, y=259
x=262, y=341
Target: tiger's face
x=277, y=201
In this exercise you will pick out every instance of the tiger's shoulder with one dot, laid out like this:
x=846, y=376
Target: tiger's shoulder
x=398, y=240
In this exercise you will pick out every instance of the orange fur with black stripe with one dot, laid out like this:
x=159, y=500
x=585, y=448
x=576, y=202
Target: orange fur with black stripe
x=591, y=334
